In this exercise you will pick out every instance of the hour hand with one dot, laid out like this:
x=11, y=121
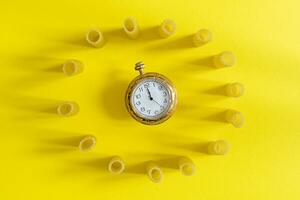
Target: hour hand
x=150, y=97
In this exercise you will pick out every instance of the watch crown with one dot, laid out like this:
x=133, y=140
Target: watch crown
x=139, y=66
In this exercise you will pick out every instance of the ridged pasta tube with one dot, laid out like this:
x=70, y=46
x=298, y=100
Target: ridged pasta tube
x=235, y=89
x=72, y=67
x=186, y=166
x=234, y=117
x=95, y=38
x=116, y=165
x=167, y=28
x=131, y=27
x=202, y=37
x=224, y=59
x=87, y=143
x=68, y=108
x=154, y=172
x=219, y=147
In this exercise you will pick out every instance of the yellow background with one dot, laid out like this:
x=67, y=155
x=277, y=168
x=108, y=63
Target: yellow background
x=37, y=159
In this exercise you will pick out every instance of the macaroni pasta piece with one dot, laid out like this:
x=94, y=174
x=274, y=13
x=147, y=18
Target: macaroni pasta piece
x=219, y=147
x=234, y=117
x=202, y=37
x=186, y=166
x=72, y=67
x=154, y=172
x=131, y=28
x=167, y=28
x=235, y=89
x=116, y=165
x=67, y=109
x=87, y=143
x=224, y=59
x=95, y=38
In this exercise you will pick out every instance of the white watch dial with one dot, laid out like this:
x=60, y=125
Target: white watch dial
x=151, y=98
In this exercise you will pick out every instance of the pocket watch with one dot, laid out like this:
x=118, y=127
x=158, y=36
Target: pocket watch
x=151, y=98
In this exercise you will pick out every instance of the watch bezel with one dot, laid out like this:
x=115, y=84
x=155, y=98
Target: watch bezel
x=163, y=80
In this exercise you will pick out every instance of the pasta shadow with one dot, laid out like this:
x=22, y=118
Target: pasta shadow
x=206, y=61
x=53, y=150
x=139, y=168
x=150, y=33
x=36, y=71
x=171, y=162
x=95, y=163
x=30, y=107
x=203, y=113
x=217, y=117
x=218, y=90
x=199, y=147
x=116, y=35
x=184, y=42
x=72, y=141
x=57, y=141
x=76, y=39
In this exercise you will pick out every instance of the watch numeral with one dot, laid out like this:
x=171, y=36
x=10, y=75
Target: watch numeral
x=138, y=103
x=141, y=89
x=160, y=87
x=162, y=107
x=149, y=111
x=143, y=109
x=165, y=94
x=165, y=101
x=138, y=96
x=153, y=84
x=156, y=112
x=146, y=85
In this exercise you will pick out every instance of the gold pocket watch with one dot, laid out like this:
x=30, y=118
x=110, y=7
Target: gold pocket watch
x=151, y=98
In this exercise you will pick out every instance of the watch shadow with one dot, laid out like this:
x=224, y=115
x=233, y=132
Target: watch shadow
x=112, y=97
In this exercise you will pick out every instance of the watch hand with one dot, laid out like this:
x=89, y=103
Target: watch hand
x=150, y=97
x=156, y=102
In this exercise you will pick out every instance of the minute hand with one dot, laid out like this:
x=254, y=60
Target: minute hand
x=156, y=102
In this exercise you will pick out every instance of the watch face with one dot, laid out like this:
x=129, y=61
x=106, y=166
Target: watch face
x=151, y=98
